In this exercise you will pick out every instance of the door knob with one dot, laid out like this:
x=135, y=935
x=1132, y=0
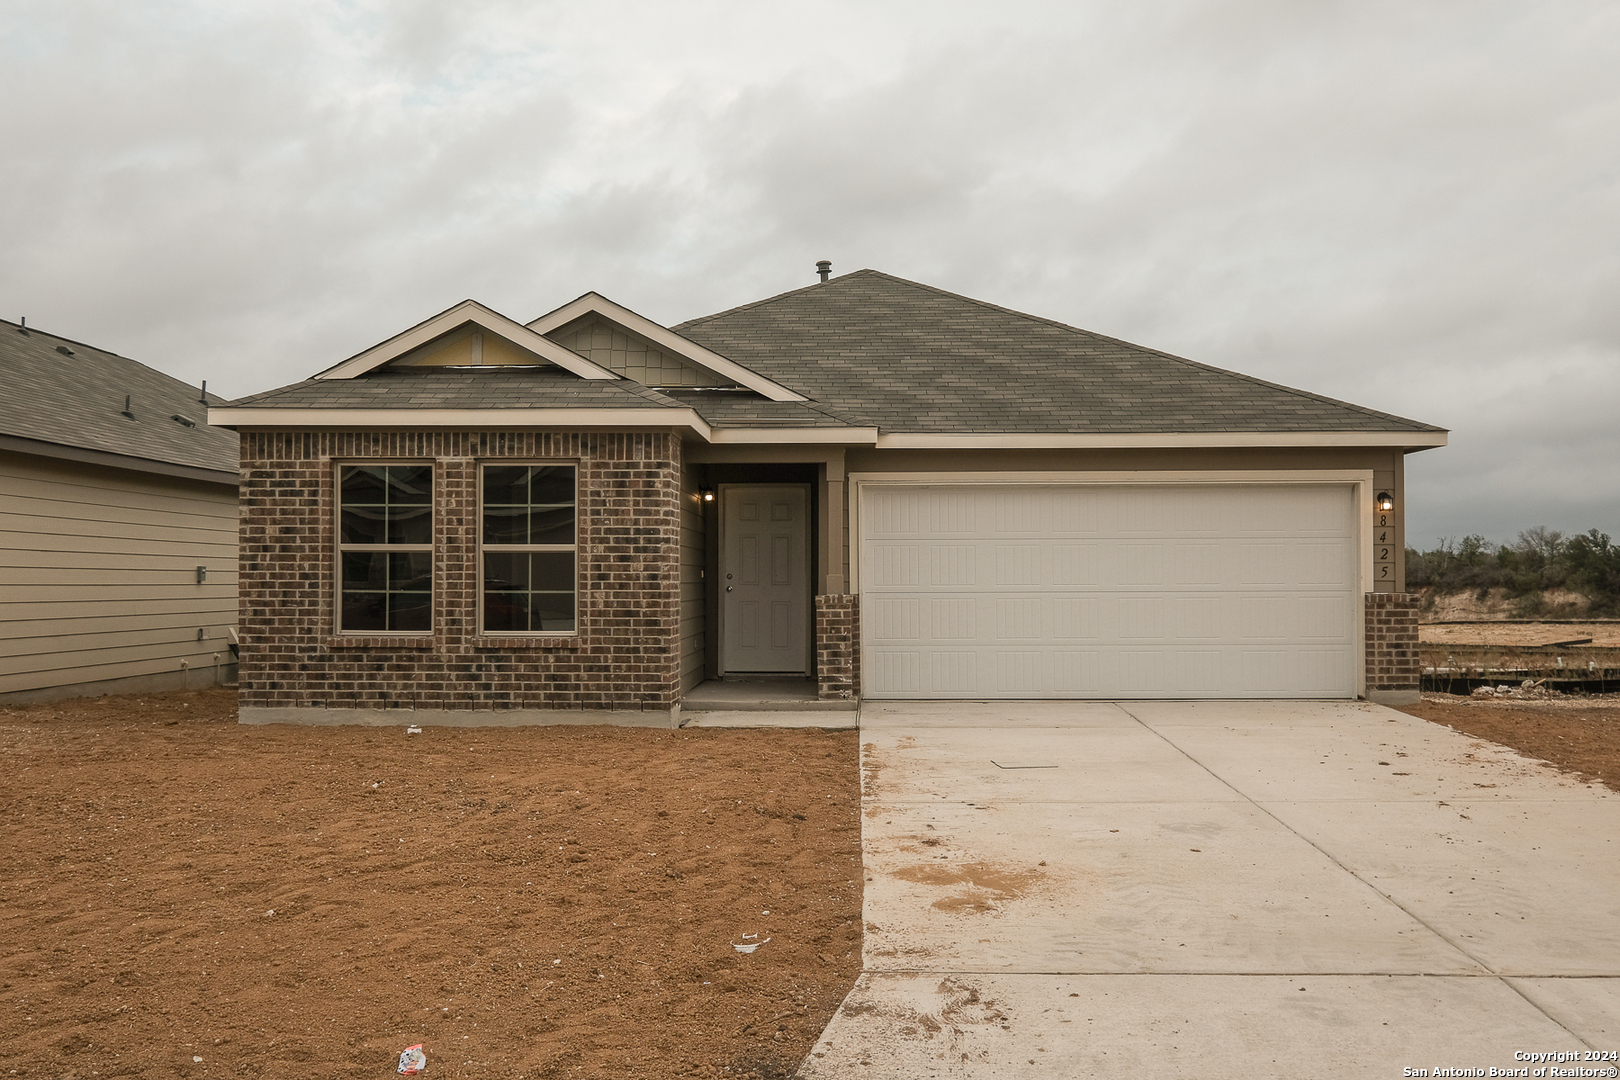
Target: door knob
x=728, y=588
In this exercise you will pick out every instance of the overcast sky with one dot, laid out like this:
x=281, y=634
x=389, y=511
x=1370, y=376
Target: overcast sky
x=1414, y=207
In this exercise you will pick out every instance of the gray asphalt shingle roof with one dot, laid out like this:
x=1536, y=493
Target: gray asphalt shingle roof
x=873, y=350
x=76, y=398
x=911, y=357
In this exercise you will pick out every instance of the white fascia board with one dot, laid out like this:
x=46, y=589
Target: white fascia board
x=664, y=338
x=1058, y=441
x=843, y=436
x=466, y=311
x=248, y=416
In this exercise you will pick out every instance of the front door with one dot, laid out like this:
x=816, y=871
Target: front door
x=764, y=578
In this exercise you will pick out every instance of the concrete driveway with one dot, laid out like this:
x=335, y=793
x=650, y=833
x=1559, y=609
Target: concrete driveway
x=1223, y=889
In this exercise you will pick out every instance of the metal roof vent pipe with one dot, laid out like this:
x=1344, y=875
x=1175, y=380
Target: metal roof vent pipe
x=824, y=268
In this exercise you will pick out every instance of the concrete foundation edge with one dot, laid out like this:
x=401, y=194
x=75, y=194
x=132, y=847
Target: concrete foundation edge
x=1394, y=697
x=663, y=718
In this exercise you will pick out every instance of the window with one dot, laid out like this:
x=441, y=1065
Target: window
x=528, y=549
x=385, y=548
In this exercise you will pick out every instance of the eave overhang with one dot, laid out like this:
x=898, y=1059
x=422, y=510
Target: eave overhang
x=107, y=460
x=1413, y=440
x=690, y=420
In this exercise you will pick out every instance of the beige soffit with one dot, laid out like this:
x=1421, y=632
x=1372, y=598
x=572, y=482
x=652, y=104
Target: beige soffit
x=468, y=311
x=843, y=436
x=1417, y=440
x=665, y=338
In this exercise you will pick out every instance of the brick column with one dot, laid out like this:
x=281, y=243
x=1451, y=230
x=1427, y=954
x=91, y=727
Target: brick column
x=838, y=647
x=1393, y=670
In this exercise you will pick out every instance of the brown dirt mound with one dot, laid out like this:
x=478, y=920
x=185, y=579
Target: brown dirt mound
x=187, y=897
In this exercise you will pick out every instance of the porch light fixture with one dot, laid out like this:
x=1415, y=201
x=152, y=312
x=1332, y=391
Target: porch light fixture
x=1385, y=501
x=706, y=494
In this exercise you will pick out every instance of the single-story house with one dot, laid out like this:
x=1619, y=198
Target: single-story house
x=880, y=486
x=117, y=525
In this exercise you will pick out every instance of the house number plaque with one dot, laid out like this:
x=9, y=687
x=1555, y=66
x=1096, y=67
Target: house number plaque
x=1383, y=547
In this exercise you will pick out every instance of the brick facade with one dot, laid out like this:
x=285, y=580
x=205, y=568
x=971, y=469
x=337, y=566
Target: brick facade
x=1393, y=669
x=838, y=647
x=624, y=656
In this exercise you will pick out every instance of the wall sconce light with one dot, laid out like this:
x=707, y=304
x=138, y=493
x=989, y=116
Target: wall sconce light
x=202, y=574
x=706, y=494
x=1385, y=501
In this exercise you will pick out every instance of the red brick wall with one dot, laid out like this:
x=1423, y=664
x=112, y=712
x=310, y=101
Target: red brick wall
x=1392, y=642
x=624, y=655
x=838, y=646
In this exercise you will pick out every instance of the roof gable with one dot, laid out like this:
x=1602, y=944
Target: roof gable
x=605, y=342
x=663, y=339
x=438, y=342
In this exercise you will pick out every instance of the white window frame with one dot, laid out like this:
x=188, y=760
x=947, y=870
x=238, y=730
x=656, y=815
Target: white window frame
x=340, y=548
x=483, y=547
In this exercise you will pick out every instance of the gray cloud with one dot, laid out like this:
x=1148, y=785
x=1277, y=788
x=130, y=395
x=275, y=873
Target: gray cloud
x=1408, y=206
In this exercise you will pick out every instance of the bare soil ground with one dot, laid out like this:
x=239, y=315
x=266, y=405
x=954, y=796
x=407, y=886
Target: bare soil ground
x=1596, y=635
x=183, y=896
x=1579, y=734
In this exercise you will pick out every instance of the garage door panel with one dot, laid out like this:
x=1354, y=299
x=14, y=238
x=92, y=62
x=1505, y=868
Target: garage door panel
x=1075, y=672
x=1199, y=618
x=1109, y=590
x=1074, y=564
x=898, y=670
x=954, y=671
x=893, y=565
x=897, y=619
x=1021, y=618
x=954, y=619
x=1020, y=564
x=952, y=565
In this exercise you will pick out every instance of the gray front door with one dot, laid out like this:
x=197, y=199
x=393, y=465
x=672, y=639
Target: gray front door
x=764, y=578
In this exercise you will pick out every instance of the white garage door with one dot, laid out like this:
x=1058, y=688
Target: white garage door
x=1108, y=591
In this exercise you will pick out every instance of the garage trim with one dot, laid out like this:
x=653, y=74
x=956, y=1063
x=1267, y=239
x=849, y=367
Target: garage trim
x=1361, y=482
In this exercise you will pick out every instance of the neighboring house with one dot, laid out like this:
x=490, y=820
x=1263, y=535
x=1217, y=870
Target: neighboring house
x=890, y=489
x=117, y=525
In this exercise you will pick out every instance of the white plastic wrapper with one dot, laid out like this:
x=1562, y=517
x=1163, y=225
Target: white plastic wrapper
x=412, y=1060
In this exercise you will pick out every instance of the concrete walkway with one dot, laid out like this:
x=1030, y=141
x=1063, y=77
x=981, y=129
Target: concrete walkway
x=1222, y=889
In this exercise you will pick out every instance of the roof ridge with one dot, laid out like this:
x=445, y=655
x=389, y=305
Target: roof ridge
x=773, y=299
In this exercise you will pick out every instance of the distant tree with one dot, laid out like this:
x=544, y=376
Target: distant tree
x=1594, y=570
x=1539, y=560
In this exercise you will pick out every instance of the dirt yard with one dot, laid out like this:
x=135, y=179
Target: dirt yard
x=1579, y=734
x=186, y=897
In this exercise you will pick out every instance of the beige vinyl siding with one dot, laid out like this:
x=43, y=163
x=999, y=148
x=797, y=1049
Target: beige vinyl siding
x=470, y=347
x=692, y=560
x=604, y=342
x=98, y=577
